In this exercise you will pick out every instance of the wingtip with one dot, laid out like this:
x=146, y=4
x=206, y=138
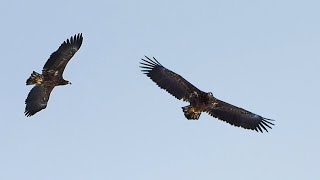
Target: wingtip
x=79, y=36
x=28, y=114
x=75, y=40
x=150, y=62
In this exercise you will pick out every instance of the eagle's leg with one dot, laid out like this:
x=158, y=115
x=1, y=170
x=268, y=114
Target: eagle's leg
x=190, y=113
x=35, y=78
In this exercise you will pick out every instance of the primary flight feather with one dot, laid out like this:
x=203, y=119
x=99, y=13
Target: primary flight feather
x=52, y=75
x=201, y=101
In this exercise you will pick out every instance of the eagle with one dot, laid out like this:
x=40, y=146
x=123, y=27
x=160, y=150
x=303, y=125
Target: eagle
x=52, y=75
x=201, y=101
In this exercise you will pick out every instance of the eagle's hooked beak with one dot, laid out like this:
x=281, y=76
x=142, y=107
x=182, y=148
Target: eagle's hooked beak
x=69, y=83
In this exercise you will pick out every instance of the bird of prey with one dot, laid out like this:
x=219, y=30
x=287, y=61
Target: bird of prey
x=201, y=101
x=52, y=75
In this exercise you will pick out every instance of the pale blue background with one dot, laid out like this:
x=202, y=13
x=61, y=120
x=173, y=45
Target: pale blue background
x=113, y=123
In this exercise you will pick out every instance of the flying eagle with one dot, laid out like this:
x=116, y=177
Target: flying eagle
x=51, y=75
x=201, y=101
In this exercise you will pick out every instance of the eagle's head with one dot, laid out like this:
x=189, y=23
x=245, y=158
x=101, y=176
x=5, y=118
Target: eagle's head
x=64, y=82
x=210, y=96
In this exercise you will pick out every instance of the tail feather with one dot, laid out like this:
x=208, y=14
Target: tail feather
x=35, y=78
x=190, y=113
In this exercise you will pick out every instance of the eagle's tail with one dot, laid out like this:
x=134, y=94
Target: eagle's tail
x=35, y=78
x=190, y=113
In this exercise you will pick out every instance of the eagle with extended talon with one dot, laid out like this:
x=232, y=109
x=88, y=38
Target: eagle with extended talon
x=51, y=75
x=201, y=101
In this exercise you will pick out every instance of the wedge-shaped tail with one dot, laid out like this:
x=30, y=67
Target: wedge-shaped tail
x=190, y=113
x=35, y=78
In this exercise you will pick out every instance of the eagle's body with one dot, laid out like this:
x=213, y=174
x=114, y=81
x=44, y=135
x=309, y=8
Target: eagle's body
x=201, y=101
x=51, y=75
x=47, y=77
x=198, y=103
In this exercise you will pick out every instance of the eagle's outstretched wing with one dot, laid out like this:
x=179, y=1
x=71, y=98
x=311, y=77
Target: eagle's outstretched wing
x=168, y=80
x=37, y=99
x=60, y=58
x=238, y=117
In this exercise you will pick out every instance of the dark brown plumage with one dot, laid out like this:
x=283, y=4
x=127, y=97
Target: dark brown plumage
x=201, y=101
x=51, y=75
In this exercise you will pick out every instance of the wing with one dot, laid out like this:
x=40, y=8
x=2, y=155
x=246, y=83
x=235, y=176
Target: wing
x=37, y=99
x=168, y=80
x=238, y=117
x=60, y=58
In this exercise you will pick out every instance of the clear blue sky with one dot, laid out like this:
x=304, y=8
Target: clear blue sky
x=115, y=123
